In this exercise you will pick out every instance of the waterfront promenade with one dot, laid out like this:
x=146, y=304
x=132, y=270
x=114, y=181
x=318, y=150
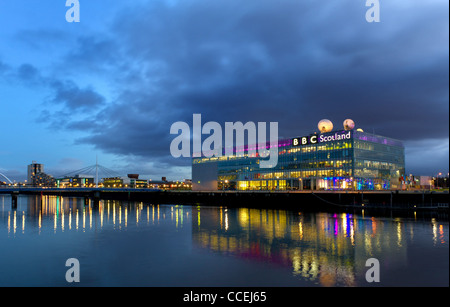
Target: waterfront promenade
x=302, y=200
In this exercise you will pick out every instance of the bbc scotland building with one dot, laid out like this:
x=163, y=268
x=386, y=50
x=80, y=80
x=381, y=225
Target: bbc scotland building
x=345, y=159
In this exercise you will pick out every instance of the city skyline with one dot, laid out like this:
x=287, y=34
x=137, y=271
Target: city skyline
x=113, y=84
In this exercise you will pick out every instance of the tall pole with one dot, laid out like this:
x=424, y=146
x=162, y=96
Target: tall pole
x=96, y=171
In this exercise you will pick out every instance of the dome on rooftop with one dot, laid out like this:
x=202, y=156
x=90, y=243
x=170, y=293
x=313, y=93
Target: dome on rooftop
x=325, y=125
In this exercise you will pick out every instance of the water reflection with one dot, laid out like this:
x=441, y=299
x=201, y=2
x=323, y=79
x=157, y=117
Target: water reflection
x=320, y=248
x=64, y=213
x=328, y=249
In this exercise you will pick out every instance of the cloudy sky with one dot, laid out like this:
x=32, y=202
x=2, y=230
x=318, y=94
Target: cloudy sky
x=113, y=84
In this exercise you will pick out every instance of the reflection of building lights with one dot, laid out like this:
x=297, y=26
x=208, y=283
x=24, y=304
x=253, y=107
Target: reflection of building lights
x=55, y=222
x=84, y=219
x=101, y=215
x=14, y=222
x=433, y=221
x=226, y=220
x=352, y=232
x=374, y=226
x=126, y=216
x=300, y=230
x=344, y=223
x=243, y=217
x=296, y=263
x=399, y=234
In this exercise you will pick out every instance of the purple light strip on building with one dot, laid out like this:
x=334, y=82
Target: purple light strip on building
x=377, y=139
x=288, y=142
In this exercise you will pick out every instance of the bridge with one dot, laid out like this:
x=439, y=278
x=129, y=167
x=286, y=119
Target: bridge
x=4, y=176
x=96, y=170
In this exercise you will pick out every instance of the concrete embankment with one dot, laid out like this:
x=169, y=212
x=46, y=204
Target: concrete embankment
x=301, y=200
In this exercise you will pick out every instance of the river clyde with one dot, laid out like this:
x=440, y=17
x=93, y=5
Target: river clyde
x=120, y=243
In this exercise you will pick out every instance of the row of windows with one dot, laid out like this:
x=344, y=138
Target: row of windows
x=396, y=156
x=324, y=158
x=342, y=172
x=326, y=165
x=363, y=173
x=344, y=168
x=373, y=173
x=323, y=151
x=363, y=146
x=376, y=164
x=379, y=156
x=322, y=147
x=321, y=184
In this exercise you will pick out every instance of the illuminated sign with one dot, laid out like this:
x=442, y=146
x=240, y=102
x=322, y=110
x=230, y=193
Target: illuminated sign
x=322, y=138
x=304, y=140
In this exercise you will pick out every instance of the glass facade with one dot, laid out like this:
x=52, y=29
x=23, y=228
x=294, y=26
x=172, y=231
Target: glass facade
x=362, y=161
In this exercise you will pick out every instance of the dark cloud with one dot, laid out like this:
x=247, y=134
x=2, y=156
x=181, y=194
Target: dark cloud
x=74, y=97
x=3, y=68
x=94, y=54
x=26, y=74
x=42, y=38
x=433, y=150
x=294, y=62
x=29, y=75
x=67, y=93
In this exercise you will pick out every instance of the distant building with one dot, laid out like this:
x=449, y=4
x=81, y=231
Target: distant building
x=158, y=184
x=77, y=181
x=37, y=177
x=131, y=181
x=426, y=182
x=44, y=180
x=33, y=169
x=170, y=185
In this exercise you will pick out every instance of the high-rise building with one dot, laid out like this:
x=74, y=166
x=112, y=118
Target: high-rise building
x=34, y=169
x=37, y=177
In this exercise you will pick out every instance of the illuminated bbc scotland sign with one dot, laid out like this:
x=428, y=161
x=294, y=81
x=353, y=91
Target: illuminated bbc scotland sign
x=322, y=138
